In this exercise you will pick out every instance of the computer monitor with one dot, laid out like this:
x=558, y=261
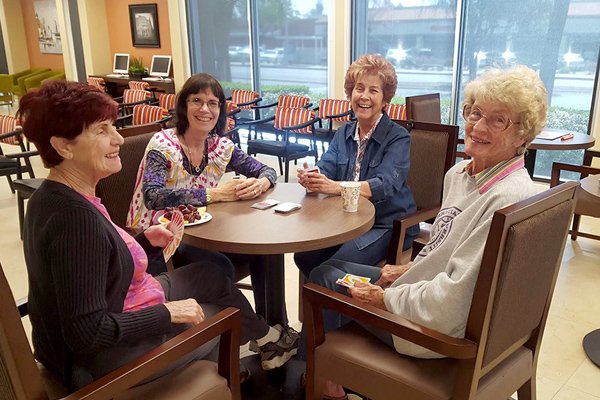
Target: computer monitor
x=121, y=64
x=161, y=66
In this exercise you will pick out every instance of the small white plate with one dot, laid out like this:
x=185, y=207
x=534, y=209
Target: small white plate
x=205, y=218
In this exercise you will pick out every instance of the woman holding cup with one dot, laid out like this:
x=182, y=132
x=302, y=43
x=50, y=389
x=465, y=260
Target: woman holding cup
x=372, y=151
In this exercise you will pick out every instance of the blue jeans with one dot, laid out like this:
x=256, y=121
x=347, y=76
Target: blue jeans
x=326, y=275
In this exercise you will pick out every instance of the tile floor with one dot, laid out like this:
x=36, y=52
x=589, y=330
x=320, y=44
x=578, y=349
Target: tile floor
x=564, y=372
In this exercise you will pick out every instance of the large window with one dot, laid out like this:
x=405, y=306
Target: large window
x=558, y=38
x=289, y=54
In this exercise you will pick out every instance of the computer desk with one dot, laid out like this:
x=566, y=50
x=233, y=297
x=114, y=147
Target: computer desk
x=115, y=85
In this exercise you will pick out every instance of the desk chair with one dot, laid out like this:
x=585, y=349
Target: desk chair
x=266, y=125
x=505, y=324
x=23, y=378
x=396, y=111
x=144, y=114
x=246, y=100
x=97, y=82
x=167, y=101
x=424, y=108
x=130, y=99
x=587, y=204
x=12, y=134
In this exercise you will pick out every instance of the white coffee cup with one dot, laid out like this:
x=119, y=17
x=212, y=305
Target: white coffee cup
x=350, y=195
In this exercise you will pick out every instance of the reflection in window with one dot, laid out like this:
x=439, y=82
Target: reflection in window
x=558, y=38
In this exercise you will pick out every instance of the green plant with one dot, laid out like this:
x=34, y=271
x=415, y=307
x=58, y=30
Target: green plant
x=136, y=66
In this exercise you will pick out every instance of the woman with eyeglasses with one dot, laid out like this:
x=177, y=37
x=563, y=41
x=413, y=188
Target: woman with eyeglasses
x=183, y=166
x=504, y=110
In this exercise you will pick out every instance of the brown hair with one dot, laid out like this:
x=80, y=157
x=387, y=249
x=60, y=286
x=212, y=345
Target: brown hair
x=372, y=64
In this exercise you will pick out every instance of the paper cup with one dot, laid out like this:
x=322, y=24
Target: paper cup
x=350, y=195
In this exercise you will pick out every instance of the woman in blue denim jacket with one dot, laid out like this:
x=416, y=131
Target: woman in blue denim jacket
x=373, y=151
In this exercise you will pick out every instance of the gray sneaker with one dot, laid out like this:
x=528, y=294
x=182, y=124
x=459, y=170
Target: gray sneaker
x=253, y=346
x=275, y=354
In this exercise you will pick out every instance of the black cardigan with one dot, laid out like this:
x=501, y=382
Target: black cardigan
x=79, y=273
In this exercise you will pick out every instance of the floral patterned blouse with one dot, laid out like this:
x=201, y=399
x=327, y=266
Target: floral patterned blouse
x=166, y=178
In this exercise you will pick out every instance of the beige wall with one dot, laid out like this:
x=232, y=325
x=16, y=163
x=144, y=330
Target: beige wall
x=117, y=12
x=179, y=42
x=95, y=37
x=37, y=59
x=339, y=55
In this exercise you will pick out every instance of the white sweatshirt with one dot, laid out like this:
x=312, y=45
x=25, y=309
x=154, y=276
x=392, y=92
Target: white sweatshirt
x=437, y=291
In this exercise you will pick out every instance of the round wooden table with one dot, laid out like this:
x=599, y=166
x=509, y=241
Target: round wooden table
x=591, y=341
x=579, y=141
x=236, y=227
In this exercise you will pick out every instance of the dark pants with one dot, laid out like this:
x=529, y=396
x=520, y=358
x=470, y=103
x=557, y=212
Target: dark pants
x=186, y=254
x=349, y=251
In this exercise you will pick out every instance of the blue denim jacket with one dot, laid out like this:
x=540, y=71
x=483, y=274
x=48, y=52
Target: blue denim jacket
x=384, y=166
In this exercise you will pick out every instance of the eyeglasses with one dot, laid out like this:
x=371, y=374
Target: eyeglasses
x=496, y=122
x=195, y=102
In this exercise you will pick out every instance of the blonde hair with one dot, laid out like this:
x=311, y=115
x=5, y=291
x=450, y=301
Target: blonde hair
x=374, y=64
x=519, y=89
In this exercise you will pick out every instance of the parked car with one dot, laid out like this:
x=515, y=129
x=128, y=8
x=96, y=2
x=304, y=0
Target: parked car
x=271, y=56
x=239, y=54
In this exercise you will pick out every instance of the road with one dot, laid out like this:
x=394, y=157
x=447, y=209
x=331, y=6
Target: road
x=569, y=91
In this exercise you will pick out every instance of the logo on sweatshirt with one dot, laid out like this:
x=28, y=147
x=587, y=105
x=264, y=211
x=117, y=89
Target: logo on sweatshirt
x=441, y=229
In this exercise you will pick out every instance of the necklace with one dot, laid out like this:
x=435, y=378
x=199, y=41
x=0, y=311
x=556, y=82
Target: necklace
x=188, y=150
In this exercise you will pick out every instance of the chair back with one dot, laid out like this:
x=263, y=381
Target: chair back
x=133, y=96
x=139, y=85
x=518, y=272
x=286, y=117
x=424, y=108
x=396, y=111
x=97, y=82
x=167, y=101
x=8, y=123
x=135, y=130
x=239, y=96
x=329, y=107
x=19, y=375
x=230, y=107
x=145, y=114
x=292, y=101
x=116, y=191
x=432, y=153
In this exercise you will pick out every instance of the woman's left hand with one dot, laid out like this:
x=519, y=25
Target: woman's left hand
x=368, y=293
x=159, y=235
x=251, y=188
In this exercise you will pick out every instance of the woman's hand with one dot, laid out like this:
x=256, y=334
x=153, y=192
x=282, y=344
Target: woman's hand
x=368, y=293
x=186, y=311
x=225, y=192
x=251, y=188
x=159, y=235
x=318, y=182
x=389, y=273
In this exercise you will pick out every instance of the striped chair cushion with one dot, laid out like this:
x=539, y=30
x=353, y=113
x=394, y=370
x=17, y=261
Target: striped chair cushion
x=8, y=123
x=243, y=96
x=291, y=101
x=334, y=107
x=145, y=114
x=133, y=96
x=396, y=111
x=285, y=116
x=96, y=82
x=139, y=85
x=167, y=101
x=229, y=107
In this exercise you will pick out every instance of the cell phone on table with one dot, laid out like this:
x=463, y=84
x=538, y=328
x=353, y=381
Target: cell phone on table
x=286, y=207
x=314, y=168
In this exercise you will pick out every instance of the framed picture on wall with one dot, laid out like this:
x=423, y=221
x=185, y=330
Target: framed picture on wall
x=144, y=25
x=47, y=24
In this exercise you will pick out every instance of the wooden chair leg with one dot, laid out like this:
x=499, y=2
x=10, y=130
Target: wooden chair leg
x=287, y=170
x=575, y=228
x=280, y=166
x=21, y=211
x=12, y=189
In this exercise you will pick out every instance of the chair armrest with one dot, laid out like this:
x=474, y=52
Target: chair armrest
x=249, y=103
x=226, y=323
x=234, y=112
x=16, y=132
x=121, y=121
x=588, y=155
x=400, y=227
x=24, y=154
x=558, y=167
x=300, y=126
x=317, y=297
x=257, y=121
x=262, y=106
x=349, y=112
x=135, y=103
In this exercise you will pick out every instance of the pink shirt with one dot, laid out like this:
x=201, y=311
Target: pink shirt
x=144, y=290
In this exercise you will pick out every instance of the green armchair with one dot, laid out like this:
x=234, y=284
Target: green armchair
x=34, y=81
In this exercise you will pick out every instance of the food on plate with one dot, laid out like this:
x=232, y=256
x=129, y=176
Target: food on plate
x=190, y=213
